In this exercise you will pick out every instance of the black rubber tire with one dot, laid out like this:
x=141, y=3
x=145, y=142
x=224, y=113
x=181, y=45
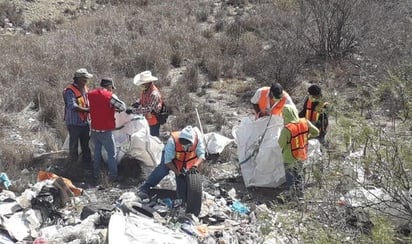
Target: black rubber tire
x=194, y=193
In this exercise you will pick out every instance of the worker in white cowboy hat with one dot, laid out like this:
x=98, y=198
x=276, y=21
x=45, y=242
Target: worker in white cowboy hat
x=150, y=102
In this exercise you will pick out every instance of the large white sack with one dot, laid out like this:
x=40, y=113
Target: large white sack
x=314, y=153
x=132, y=228
x=261, y=166
x=133, y=137
x=215, y=143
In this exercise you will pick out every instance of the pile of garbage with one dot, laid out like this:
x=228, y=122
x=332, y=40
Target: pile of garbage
x=53, y=210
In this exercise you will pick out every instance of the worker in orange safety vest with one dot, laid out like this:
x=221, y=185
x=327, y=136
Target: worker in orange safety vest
x=270, y=100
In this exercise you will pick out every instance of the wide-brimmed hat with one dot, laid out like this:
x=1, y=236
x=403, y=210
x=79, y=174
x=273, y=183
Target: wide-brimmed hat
x=82, y=73
x=107, y=82
x=143, y=78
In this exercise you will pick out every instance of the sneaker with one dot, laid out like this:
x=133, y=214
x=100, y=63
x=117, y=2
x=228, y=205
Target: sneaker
x=144, y=197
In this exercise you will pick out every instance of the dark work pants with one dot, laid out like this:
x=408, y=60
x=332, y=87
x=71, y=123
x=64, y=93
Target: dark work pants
x=82, y=134
x=155, y=130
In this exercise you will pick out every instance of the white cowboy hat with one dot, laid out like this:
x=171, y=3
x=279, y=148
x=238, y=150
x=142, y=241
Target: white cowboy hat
x=143, y=78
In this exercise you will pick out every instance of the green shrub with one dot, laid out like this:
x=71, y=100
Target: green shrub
x=382, y=232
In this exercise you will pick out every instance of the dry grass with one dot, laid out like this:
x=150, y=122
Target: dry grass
x=266, y=42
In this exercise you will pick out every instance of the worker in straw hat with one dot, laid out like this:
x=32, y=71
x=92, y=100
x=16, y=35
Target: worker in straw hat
x=150, y=101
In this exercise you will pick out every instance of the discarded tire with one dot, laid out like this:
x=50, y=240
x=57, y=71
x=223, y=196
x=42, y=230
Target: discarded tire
x=194, y=193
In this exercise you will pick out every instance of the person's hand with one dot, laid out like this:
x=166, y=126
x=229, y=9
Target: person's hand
x=129, y=110
x=193, y=170
x=319, y=109
x=262, y=114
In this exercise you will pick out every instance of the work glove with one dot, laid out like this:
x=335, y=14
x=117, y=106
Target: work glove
x=193, y=170
x=129, y=110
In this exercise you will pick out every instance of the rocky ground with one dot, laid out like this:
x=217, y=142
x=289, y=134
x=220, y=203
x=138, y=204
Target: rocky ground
x=221, y=173
x=222, y=178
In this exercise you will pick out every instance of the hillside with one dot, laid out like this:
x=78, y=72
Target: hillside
x=211, y=56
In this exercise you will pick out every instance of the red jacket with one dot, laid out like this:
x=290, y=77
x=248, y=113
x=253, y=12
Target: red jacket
x=101, y=111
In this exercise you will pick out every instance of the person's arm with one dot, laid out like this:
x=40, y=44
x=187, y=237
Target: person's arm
x=71, y=103
x=313, y=131
x=118, y=104
x=284, y=138
x=255, y=101
x=170, y=154
x=256, y=108
x=290, y=101
x=155, y=102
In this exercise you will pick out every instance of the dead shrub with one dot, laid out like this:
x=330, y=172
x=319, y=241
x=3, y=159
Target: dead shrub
x=15, y=157
x=176, y=43
x=181, y=105
x=333, y=28
x=208, y=34
x=48, y=111
x=118, y=2
x=237, y=3
x=190, y=78
x=9, y=11
x=202, y=13
x=41, y=26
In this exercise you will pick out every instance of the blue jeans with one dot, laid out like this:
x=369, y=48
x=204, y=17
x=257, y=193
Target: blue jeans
x=293, y=177
x=105, y=139
x=155, y=130
x=79, y=133
x=156, y=176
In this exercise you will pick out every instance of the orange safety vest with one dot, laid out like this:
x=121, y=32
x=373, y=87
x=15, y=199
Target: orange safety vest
x=311, y=114
x=81, y=99
x=299, y=138
x=264, y=101
x=184, y=159
x=145, y=99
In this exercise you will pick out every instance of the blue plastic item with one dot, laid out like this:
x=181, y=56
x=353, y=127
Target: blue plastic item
x=168, y=202
x=240, y=208
x=5, y=180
